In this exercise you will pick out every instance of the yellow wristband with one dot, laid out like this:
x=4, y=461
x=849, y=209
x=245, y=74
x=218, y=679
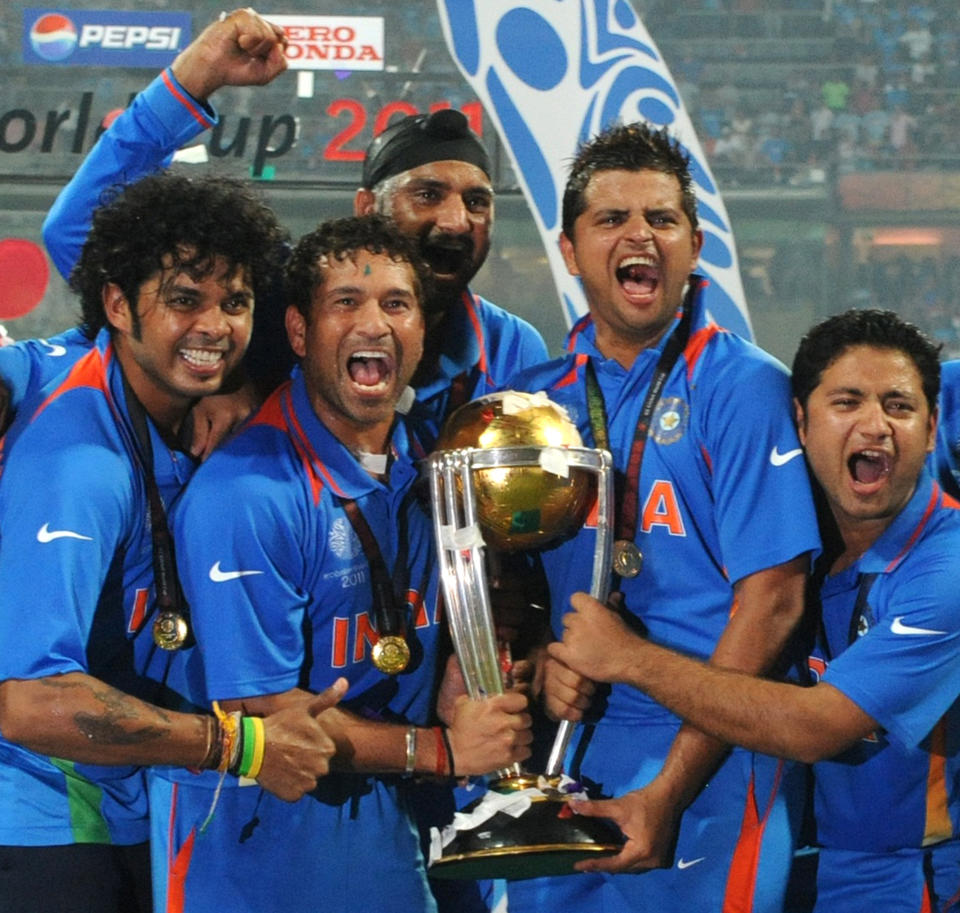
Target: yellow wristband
x=259, y=746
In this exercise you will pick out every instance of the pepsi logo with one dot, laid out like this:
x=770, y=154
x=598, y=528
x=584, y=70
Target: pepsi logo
x=53, y=37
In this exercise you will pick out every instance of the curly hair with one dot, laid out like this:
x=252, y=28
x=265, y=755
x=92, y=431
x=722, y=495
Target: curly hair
x=340, y=239
x=169, y=219
x=830, y=338
x=627, y=147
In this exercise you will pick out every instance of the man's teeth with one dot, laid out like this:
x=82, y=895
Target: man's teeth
x=368, y=368
x=202, y=357
x=638, y=273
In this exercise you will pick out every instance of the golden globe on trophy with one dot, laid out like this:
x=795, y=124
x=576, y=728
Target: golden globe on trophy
x=511, y=473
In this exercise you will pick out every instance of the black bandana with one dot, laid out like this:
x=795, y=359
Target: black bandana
x=420, y=139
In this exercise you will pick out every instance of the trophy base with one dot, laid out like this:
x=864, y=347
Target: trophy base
x=545, y=839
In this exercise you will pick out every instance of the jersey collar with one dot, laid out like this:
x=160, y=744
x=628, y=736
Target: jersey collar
x=461, y=348
x=899, y=537
x=335, y=462
x=582, y=338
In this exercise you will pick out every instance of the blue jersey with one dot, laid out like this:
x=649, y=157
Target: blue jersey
x=483, y=347
x=77, y=568
x=722, y=470
x=899, y=661
x=945, y=460
x=280, y=593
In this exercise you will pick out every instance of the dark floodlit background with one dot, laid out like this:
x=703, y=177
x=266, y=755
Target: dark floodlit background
x=833, y=129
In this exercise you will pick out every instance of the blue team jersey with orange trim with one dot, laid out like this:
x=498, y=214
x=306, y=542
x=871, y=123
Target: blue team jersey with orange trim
x=723, y=493
x=77, y=569
x=267, y=504
x=722, y=474
x=483, y=347
x=280, y=593
x=897, y=789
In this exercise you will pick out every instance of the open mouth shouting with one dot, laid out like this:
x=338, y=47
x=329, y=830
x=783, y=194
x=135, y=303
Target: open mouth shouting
x=371, y=371
x=638, y=276
x=869, y=469
x=447, y=256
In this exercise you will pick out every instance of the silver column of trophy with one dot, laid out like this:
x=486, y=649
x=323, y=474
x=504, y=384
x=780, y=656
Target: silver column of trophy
x=511, y=473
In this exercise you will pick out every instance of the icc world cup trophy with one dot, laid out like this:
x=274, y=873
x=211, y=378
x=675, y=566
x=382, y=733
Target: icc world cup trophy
x=511, y=473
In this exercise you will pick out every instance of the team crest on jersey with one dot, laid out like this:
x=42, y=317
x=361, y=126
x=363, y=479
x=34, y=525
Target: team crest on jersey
x=343, y=540
x=670, y=420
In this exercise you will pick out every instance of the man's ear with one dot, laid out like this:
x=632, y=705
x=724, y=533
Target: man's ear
x=800, y=419
x=364, y=202
x=296, y=330
x=116, y=307
x=569, y=258
x=932, y=429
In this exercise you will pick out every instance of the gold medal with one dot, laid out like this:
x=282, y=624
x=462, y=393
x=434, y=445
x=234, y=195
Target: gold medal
x=170, y=630
x=391, y=654
x=627, y=559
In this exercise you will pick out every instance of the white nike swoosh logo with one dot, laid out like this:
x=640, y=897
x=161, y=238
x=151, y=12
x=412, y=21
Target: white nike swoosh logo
x=218, y=576
x=45, y=534
x=56, y=351
x=686, y=863
x=898, y=627
x=779, y=459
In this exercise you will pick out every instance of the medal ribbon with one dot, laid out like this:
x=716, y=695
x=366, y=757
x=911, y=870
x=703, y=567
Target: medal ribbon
x=629, y=497
x=169, y=595
x=389, y=602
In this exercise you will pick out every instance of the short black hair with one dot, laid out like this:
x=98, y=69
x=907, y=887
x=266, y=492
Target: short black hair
x=168, y=219
x=829, y=339
x=341, y=239
x=627, y=147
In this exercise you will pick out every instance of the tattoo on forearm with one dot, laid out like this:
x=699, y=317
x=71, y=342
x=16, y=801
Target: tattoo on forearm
x=120, y=713
x=107, y=730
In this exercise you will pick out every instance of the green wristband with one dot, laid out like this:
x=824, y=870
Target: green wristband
x=249, y=747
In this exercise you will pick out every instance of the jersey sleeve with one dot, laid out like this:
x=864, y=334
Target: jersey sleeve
x=141, y=140
x=241, y=543
x=758, y=476
x=67, y=501
x=16, y=371
x=905, y=671
x=26, y=366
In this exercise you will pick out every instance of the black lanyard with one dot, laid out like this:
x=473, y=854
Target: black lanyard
x=171, y=628
x=629, y=496
x=391, y=653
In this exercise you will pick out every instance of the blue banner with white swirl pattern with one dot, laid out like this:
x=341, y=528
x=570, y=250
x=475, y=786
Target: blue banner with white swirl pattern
x=553, y=73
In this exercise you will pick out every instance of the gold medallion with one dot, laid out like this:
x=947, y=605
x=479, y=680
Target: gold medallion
x=627, y=559
x=391, y=654
x=170, y=630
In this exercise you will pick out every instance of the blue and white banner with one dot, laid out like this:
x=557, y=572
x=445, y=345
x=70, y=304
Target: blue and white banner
x=553, y=73
x=103, y=38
